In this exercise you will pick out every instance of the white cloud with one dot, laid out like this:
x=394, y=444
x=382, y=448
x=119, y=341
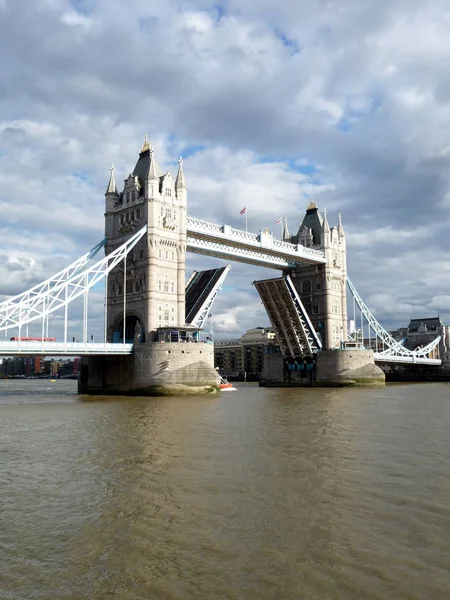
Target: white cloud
x=348, y=102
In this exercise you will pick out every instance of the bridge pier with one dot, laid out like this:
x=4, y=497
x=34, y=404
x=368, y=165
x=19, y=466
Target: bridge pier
x=331, y=368
x=153, y=369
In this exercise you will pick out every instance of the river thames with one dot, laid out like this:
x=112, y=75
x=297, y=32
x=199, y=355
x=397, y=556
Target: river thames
x=258, y=494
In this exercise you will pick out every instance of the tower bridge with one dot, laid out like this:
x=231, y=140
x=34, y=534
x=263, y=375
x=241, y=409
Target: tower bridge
x=150, y=344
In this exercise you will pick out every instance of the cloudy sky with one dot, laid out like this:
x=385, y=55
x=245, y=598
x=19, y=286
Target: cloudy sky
x=269, y=101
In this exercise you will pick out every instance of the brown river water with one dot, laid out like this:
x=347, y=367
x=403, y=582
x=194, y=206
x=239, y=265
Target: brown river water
x=255, y=495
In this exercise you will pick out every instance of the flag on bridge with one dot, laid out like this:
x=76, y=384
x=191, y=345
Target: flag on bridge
x=279, y=220
x=244, y=210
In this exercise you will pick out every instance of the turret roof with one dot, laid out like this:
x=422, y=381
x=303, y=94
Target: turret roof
x=146, y=166
x=180, y=181
x=112, y=187
x=312, y=220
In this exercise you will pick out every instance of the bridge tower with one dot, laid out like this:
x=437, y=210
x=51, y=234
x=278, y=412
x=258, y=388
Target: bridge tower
x=323, y=288
x=146, y=293
x=154, y=281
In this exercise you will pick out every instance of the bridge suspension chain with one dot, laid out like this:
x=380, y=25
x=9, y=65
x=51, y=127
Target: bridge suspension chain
x=390, y=345
x=61, y=289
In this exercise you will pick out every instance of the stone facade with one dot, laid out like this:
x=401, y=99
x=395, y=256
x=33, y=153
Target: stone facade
x=146, y=292
x=323, y=288
x=332, y=368
x=153, y=369
x=154, y=281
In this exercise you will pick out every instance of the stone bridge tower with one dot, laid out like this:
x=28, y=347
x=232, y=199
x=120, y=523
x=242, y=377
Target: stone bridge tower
x=146, y=300
x=154, y=282
x=323, y=288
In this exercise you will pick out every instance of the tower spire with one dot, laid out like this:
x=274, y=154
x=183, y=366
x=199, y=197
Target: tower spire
x=146, y=145
x=325, y=225
x=340, y=228
x=180, y=183
x=153, y=172
x=286, y=236
x=112, y=187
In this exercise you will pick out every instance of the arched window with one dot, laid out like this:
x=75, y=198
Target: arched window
x=307, y=287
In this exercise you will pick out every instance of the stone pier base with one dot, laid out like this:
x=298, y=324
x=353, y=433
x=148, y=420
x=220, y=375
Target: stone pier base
x=332, y=368
x=347, y=368
x=155, y=369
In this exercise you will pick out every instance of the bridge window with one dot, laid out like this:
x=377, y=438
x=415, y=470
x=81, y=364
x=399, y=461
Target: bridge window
x=167, y=255
x=307, y=287
x=127, y=197
x=133, y=196
x=168, y=213
x=160, y=253
x=166, y=315
x=173, y=287
x=132, y=215
x=318, y=286
x=159, y=285
x=315, y=309
x=166, y=286
x=168, y=192
x=138, y=213
x=173, y=255
x=122, y=218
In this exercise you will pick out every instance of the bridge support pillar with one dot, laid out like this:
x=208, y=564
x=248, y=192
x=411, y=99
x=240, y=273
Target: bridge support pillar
x=155, y=369
x=332, y=368
x=347, y=367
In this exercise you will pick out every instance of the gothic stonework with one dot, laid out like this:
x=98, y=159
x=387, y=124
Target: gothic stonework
x=155, y=276
x=323, y=288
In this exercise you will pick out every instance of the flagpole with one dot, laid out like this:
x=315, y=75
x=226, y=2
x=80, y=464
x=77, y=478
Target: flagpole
x=281, y=226
x=246, y=210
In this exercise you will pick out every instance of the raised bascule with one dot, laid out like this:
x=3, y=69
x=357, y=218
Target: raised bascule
x=153, y=318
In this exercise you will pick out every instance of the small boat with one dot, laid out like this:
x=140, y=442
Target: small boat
x=226, y=386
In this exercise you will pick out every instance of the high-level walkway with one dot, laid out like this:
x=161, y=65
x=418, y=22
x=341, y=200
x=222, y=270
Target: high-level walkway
x=261, y=249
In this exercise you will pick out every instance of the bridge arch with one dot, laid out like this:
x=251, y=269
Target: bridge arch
x=133, y=324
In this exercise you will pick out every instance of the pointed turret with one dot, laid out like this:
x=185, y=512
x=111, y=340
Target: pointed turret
x=153, y=171
x=313, y=221
x=112, y=187
x=340, y=228
x=286, y=236
x=326, y=231
x=180, y=183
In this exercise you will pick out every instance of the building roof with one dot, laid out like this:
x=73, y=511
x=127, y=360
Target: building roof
x=312, y=220
x=146, y=165
x=430, y=324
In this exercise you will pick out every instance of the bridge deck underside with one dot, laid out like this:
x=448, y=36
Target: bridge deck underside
x=295, y=334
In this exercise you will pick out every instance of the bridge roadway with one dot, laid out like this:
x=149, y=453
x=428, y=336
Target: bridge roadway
x=223, y=241
x=11, y=348
x=62, y=349
x=406, y=360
